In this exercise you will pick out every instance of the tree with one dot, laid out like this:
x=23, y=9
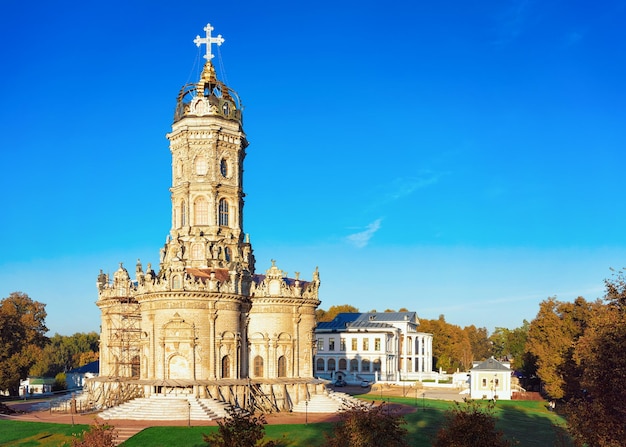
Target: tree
x=451, y=346
x=63, y=353
x=479, y=342
x=363, y=425
x=22, y=337
x=240, y=429
x=98, y=435
x=551, y=339
x=596, y=417
x=470, y=425
x=333, y=311
x=510, y=344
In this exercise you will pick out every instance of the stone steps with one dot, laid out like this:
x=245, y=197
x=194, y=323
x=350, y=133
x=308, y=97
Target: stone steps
x=167, y=408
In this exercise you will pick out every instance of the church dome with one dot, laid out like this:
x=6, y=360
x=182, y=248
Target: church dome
x=208, y=97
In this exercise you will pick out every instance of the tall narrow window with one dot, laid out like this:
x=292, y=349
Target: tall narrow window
x=183, y=214
x=258, y=366
x=355, y=345
x=377, y=344
x=320, y=344
x=366, y=344
x=201, y=165
x=225, y=367
x=343, y=344
x=201, y=211
x=282, y=366
x=331, y=344
x=223, y=217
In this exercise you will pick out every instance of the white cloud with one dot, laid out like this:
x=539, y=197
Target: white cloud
x=406, y=186
x=362, y=238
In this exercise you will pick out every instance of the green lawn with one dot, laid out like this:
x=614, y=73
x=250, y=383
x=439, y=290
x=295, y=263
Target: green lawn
x=528, y=422
x=26, y=434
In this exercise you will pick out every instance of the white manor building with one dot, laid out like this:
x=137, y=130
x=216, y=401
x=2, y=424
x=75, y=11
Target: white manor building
x=372, y=347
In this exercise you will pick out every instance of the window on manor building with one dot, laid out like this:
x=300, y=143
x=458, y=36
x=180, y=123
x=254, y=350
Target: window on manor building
x=354, y=365
x=331, y=364
x=377, y=344
x=366, y=344
x=343, y=364
x=343, y=344
x=365, y=365
x=320, y=364
x=377, y=365
x=331, y=344
x=355, y=345
x=320, y=344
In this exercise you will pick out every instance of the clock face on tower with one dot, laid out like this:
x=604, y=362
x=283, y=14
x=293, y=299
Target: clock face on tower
x=224, y=167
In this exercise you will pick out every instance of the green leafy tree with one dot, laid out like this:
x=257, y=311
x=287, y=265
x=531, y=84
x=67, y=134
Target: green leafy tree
x=597, y=416
x=470, y=424
x=240, y=429
x=98, y=435
x=22, y=337
x=364, y=425
x=510, y=344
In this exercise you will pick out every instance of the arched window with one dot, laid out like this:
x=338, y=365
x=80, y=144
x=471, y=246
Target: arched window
x=197, y=251
x=354, y=365
x=183, y=214
x=365, y=365
x=225, y=367
x=377, y=365
x=258, y=366
x=201, y=211
x=319, y=365
x=282, y=366
x=177, y=282
x=223, y=217
x=331, y=364
x=343, y=364
x=201, y=165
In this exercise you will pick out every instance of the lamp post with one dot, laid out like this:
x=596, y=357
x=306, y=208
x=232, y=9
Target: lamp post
x=306, y=412
x=423, y=402
x=188, y=414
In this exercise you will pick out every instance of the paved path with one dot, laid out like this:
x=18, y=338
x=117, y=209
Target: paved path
x=128, y=428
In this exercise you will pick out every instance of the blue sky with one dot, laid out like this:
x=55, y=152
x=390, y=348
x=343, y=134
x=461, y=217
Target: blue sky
x=447, y=157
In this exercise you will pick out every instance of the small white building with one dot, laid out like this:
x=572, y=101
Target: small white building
x=373, y=346
x=490, y=379
x=36, y=386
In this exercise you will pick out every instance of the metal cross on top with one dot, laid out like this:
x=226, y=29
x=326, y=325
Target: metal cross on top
x=208, y=40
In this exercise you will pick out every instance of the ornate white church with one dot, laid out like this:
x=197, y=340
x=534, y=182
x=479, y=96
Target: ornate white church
x=205, y=323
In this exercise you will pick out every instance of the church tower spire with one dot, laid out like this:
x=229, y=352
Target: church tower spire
x=208, y=147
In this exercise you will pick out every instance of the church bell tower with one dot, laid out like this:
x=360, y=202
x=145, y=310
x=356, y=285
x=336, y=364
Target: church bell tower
x=208, y=147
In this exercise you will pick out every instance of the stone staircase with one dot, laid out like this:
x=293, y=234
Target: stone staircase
x=331, y=402
x=167, y=408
